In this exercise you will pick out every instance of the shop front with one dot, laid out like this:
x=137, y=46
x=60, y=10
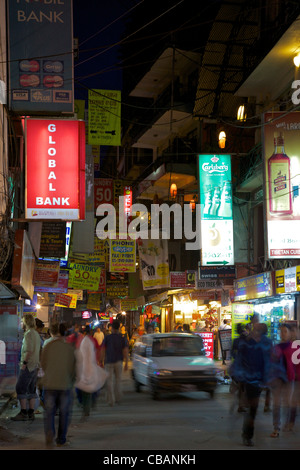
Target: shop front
x=268, y=296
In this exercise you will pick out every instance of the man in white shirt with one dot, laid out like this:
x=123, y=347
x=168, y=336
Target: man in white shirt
x=99, y=336
x=29, y=364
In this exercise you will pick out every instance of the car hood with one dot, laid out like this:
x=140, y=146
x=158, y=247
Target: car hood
x=182, y=362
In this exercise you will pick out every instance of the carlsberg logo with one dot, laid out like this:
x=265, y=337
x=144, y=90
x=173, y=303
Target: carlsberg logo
x=214, y=168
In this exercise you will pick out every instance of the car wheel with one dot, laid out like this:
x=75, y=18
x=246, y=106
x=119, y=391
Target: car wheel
x=211, y=393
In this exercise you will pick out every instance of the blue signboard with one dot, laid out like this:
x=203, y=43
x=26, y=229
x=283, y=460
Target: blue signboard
x=253, y=287
x=40, y=56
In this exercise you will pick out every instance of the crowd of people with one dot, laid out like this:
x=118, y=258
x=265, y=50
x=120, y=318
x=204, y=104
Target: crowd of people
x=86, y=360
x=259, y=365
x=81, y=360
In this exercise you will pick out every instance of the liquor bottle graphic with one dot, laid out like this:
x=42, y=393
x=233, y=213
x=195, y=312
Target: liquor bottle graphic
x=215, y=201
x=225, y=209
x=280, y=190
x=208, y=200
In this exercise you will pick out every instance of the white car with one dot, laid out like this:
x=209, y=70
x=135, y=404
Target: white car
x=172, y=362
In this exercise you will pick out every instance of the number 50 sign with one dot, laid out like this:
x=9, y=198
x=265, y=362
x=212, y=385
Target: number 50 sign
x=103, y=191
x=86, y=277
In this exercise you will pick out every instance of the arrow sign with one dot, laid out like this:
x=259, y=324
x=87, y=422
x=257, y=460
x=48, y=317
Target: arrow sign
x=215, y=263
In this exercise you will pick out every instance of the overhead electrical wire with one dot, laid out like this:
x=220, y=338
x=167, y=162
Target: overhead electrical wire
x=111, y=23
x=131, y=34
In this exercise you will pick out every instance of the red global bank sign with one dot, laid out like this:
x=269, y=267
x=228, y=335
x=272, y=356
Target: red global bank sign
x=55, y=169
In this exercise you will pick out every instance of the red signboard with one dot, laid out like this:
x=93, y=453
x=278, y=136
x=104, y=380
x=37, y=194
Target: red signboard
x=127, y=200
x=208, y=342
x=55, y=169
x=103, y=191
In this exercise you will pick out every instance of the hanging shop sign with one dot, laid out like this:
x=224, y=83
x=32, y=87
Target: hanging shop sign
x=94, y=301
x=104, y=116
x=216, y=210
x=84, y=276
x=40, y=71
x=281, y=133
x=122, y=256
x=103, y=191
x=102, y=282
x=115, y=291
x=55, y=169
x=53, y=240
x=183, y=279
x=129, y=304
x=23, y=265
x=46, y=273
x=216, y=272
x=127, y=202
x=287, y=280
x=253, y=287
x=153, y=255
x=63, y=300
x=62, y=284
x=208, y=284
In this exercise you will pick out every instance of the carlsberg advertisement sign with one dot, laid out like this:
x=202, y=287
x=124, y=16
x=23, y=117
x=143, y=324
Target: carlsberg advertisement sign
x=216, y=209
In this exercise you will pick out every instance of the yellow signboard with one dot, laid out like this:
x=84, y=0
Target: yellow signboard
x=287, y=280
x=279, y=281
x=104, y=126
x=84, y=276
x=122, y=256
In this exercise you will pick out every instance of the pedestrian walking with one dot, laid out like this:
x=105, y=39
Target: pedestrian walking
x=90, y=377
x=58, y=364
x=29, y=365
x=251, y=367
x=114, y=352
x=237, y=389
x=282, y=379
x=99, y=336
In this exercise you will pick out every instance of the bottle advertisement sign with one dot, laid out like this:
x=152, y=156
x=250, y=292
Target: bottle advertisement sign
x=216, y=210
x=282, y=184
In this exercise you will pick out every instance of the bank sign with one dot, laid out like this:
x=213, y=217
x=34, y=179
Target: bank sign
x=216, y=210
x=55, y=169
x=40, y=48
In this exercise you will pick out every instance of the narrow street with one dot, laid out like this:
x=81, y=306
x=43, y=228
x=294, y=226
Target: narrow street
x=186, y=422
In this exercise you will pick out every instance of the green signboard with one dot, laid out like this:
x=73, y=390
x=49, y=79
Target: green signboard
x=216, y=210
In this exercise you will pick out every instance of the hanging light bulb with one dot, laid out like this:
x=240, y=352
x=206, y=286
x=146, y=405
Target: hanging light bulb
x=241, y=113
x=173, y=190
x=297, y=60
x=222, y=139
x=193, y=204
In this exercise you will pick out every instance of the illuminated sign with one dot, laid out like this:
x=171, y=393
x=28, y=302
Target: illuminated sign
x=127, y=201
x=253, y=287
x=216, y=210
x=55, y=169
x=287, y=280
x=282, y=184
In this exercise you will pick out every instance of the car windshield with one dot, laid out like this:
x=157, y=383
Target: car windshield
x=178, y=346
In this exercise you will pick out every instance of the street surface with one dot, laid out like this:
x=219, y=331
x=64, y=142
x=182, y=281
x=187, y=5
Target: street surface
x=186, y=422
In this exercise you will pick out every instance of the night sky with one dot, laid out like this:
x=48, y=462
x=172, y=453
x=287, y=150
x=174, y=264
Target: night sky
x=98, y=26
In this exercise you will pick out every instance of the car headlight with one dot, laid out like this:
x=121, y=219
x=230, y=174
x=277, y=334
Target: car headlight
x=162, y=372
